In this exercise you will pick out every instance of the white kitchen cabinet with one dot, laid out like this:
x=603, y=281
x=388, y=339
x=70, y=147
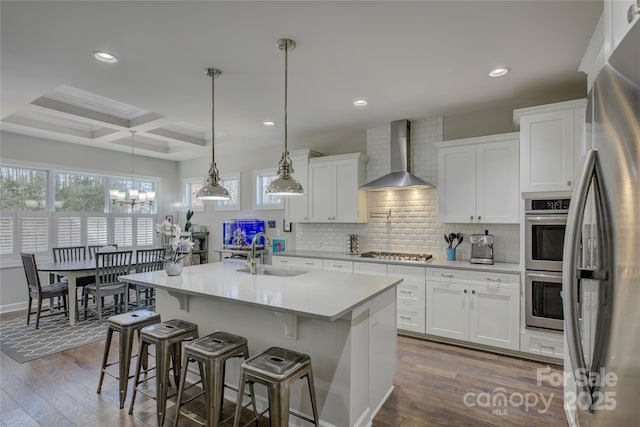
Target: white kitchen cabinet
x=337, y=265
x=378, y=269
x=298, y=262
x=334, y=188
x=410, y=297
x=551, y=140
x=620, y=16
x=296, y=209
x=478, y=180
x=474, y=306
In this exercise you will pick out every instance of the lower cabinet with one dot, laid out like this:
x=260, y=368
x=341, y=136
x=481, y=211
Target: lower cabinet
x=298, y=262
x=411, y=304
x=479, y=307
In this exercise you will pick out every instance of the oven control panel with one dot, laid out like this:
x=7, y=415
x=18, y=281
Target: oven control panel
x=537, y=205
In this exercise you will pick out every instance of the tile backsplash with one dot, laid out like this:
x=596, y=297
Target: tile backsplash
x=413, y=226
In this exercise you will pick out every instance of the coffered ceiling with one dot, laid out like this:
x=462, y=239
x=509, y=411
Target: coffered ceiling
x=408, y=59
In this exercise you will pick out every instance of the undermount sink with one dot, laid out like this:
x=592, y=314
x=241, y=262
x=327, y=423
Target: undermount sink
x=280, y=272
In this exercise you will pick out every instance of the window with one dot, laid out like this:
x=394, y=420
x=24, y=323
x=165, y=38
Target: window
x=231, y=182
x=6, y=235
x=97, y=231
x=123, y=231
x=80, y=193
x=145, y=230
x=23, y=189
x=192, y=186
x=69, y=231
x=262, y=179
x=34, y=233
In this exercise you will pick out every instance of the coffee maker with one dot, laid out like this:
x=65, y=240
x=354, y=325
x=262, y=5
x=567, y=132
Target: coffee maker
x=482, y=248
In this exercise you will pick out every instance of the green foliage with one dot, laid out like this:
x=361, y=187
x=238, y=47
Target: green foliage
x=17, y=186
x=187, y=225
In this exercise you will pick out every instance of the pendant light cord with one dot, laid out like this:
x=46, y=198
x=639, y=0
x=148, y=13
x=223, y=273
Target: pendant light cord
x=132, y=169
x=286, y=79
x=212, y=73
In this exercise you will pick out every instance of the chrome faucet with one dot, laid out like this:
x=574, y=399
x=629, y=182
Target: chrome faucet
x=251, y=262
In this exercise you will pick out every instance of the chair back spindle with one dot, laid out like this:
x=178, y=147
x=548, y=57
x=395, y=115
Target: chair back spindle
x=150, y=259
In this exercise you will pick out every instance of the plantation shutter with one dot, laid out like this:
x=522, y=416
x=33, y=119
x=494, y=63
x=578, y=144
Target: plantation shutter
x=69, y=231
x=35, y=234
x=144, y=231
x=6, y=235
x=123, y=232
x=97, y=230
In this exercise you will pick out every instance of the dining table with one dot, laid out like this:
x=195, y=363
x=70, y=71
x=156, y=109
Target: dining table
x=72, y=270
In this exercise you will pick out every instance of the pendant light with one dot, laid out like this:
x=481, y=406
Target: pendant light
x=285, y=184
x=213, y=190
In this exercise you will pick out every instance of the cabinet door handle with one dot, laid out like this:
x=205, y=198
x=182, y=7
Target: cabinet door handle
x=473, y=292
x=491, y=279
x=465, y=291
x=471, y=218
x=568, y=183
x=446, y=275
x=479, y=217
x=405, y=317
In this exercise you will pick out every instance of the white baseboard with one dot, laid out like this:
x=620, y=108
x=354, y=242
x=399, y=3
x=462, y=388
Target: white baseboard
x=377, y=408
x=17, y=306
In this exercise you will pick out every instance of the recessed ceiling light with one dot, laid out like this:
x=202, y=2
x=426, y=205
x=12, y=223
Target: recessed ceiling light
x=103, y=56
x=360, y=102
x=498, y=72
x=269, y=123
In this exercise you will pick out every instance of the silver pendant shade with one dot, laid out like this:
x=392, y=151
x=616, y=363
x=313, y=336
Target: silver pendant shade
x=285, y=184
x=213, y=190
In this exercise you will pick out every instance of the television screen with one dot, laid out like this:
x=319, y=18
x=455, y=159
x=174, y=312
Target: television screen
x=238, y=233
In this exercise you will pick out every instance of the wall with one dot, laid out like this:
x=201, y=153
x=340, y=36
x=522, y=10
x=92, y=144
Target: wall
x=414, y=225
x=21, y=148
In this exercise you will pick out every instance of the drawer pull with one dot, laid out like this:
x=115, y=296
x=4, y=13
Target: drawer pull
x=310, y=263
x=465, y=291
x=283, y=261
x=338, y=265
x=491, y=279
x=550, y=347
x=446, y=275
x=405, y=317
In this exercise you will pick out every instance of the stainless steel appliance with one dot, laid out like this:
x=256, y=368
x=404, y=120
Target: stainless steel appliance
x=543, y=300
x=545, y=222
x=601, y=277
x=481, y=248
x=397, y=256
x=353, y=244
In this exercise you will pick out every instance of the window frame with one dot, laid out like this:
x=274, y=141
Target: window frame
x=258, y=203
x=223, y=205
x=187, y=200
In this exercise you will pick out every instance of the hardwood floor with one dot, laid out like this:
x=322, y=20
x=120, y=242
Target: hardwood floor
x=430, y=386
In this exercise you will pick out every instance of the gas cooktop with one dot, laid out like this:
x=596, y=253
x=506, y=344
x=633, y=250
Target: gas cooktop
x=397, y=256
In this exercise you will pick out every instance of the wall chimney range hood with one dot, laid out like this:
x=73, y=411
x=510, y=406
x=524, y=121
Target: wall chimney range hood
x=400, y=176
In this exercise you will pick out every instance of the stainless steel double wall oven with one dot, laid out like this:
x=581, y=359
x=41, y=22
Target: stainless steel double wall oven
x=545, y=224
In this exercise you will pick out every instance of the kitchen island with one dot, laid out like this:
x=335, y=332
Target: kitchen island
x=344, y=321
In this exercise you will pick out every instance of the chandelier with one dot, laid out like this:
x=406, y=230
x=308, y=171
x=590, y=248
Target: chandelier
x=136, y=197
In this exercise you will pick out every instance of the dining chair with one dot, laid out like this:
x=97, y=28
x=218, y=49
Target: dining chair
x=109, y=267
x=40, y=292
x=73, y=253
x=147, y=260
x=93, y=249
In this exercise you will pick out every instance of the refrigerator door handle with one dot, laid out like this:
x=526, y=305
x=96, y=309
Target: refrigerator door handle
x=570, y=288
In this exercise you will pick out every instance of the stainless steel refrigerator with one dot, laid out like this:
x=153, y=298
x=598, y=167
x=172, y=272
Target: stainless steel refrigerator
x=601, y=271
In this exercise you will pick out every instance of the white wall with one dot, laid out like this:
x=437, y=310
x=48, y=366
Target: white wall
x=55, y=154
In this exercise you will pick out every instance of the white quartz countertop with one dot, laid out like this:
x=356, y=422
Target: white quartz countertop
x=325, y=295
x=498, y=267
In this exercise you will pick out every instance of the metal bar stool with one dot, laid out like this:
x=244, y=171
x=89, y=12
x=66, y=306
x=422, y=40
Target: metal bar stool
x=167, y=338
x=212, y=353
x=277, y=368
x=126, y=325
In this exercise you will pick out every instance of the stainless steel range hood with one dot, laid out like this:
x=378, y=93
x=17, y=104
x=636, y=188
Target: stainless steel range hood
x=400, y=176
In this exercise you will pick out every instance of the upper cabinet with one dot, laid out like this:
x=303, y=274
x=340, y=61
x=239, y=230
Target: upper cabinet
x=478, y=180
x=334, y=188
x=551, y=144
x=296, y=209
